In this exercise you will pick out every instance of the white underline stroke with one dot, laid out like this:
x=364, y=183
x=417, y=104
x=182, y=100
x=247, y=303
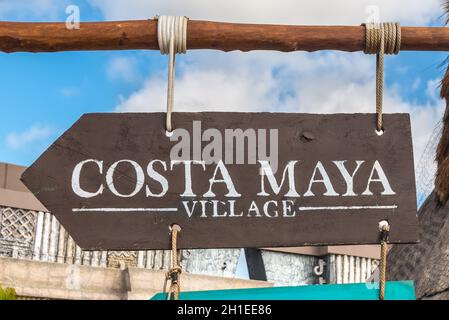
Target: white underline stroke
x=348, y=208
x=390, y=207
x=125, y=210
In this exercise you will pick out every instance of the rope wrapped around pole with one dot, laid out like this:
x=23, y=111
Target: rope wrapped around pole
x=382, y=38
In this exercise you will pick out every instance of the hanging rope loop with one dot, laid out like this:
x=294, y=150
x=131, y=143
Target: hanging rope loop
x=175, y=271
x=384, y=229
x=381, y=39
x=172, y=39
x=172, y=28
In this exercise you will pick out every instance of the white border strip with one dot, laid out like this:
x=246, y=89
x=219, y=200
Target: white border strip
x=125, y=210
x=349, y=208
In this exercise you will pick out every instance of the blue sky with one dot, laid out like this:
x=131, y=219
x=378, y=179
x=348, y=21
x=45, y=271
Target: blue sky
x=42, y=95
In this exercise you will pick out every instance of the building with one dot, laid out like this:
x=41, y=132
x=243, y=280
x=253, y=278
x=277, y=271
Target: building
x=40, y=259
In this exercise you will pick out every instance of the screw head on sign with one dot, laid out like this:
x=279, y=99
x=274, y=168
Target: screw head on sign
x=384, y=226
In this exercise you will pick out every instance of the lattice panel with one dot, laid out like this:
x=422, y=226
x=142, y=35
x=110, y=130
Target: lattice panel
x=17, y=224
x=124, y=258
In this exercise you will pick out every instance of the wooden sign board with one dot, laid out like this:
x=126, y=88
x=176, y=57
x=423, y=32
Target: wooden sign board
x=118, y=182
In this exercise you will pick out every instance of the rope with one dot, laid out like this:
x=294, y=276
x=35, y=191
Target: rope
x=174, y=273
x=172, y=39
x=381, y=38
x=384, y=229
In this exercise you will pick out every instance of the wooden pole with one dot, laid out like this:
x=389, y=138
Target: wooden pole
x=142, y=34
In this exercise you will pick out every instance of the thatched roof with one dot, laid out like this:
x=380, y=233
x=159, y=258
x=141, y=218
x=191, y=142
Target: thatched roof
x=442, y=156
x=427, y=262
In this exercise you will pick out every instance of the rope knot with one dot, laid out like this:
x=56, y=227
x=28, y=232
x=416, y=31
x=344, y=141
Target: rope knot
x=384, y=230
x=173, y=275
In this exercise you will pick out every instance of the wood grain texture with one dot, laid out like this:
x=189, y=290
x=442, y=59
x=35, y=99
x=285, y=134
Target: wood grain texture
x=142, y=34
x=141, y=137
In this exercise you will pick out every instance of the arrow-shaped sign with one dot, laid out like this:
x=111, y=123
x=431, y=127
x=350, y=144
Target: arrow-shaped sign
x=119, y=181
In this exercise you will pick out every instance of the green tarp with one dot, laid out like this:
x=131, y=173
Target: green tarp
x=402, y=290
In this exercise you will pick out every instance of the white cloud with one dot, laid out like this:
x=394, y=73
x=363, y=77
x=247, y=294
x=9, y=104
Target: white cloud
x=123, y=68
x=24, y=9
x=20, y=140
x=299, y=82
x=69, y=92
x=276, y=11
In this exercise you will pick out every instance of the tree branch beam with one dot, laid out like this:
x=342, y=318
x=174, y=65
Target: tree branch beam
x=142, y=35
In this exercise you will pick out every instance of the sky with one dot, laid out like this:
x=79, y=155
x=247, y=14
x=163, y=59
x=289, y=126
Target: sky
x=42, y=95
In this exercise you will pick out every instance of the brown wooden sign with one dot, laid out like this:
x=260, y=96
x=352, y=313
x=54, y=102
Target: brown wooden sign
x=118, y=181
